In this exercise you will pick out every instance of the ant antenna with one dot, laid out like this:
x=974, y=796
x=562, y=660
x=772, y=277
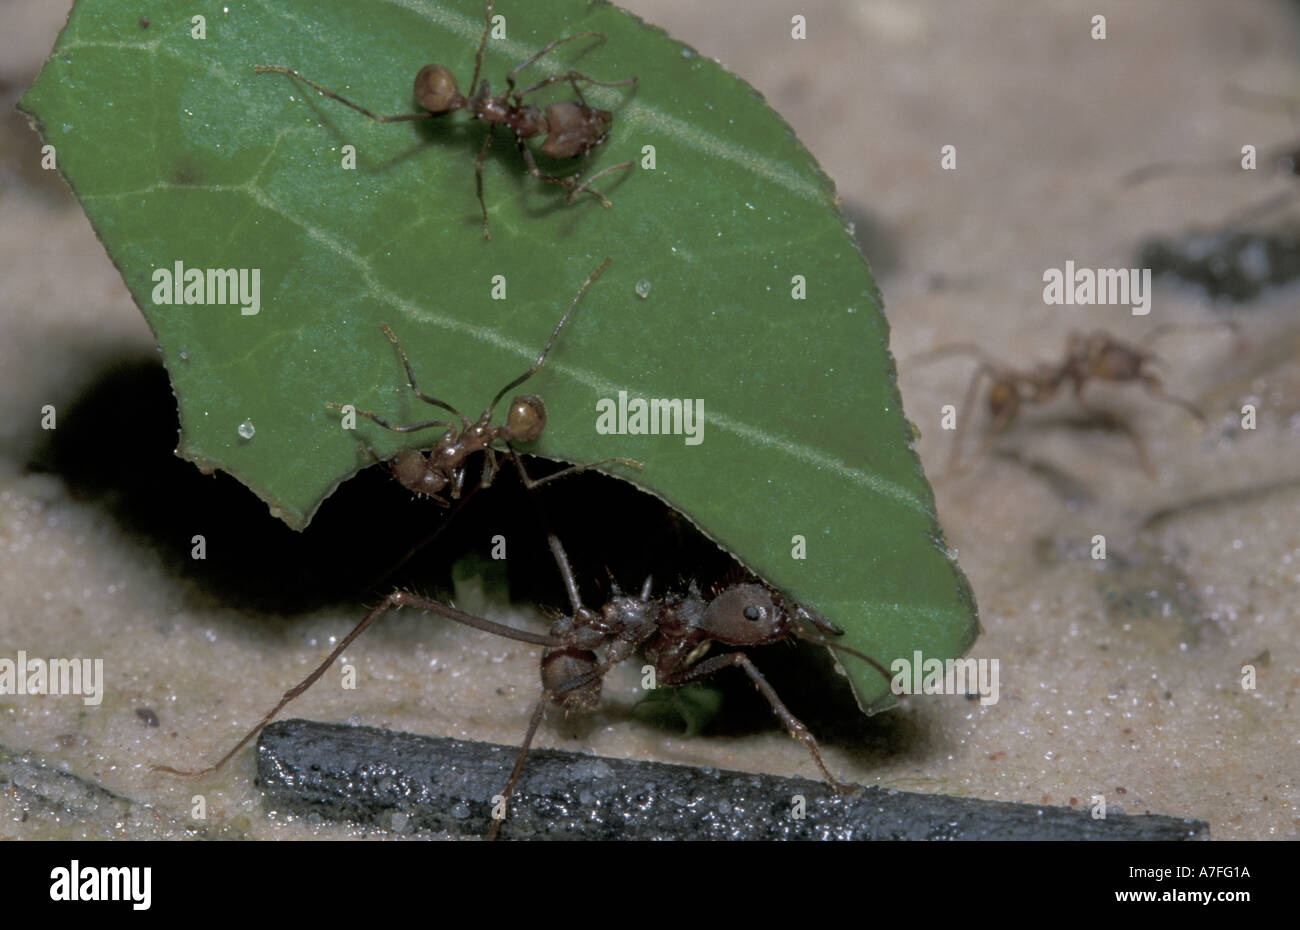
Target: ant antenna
x=549, y=342
x=813, y=638
x=378, y=118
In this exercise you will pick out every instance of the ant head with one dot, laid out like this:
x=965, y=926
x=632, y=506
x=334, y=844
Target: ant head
x=412, y=471
x=526, y=419
x=574, y=129
x=437, y=91
x=746, y=615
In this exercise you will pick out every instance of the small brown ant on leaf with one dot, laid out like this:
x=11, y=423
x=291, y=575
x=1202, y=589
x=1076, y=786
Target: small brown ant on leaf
x=1094, y=356
x=571, y=127
x=442, y=469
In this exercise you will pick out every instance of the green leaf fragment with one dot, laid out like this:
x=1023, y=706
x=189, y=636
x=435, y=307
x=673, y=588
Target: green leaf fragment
x=179, y=152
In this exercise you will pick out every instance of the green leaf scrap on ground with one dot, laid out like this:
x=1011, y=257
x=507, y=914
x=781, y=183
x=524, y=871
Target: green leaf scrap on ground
x=179, y=152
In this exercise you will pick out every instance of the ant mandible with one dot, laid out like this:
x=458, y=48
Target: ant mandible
x=1094, y=356
x=442, y=469
x=572, y=128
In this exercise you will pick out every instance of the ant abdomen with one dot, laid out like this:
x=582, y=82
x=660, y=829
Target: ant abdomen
x=412, y=471
x=574, y=129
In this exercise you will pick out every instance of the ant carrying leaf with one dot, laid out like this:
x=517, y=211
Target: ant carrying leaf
x=673, y=630
x=572, y=127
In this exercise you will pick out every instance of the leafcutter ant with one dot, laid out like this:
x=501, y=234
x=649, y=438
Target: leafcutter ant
x=571, y=127
x=673, y=630
x=1094, y=356
x=442, y=469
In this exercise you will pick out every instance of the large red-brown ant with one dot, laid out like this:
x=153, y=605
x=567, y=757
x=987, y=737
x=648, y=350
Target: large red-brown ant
x=442, y=469
x=1094, y=356
x=672, y=630
x=572, y=128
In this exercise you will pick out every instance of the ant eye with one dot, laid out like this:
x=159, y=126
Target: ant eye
x=753, y=613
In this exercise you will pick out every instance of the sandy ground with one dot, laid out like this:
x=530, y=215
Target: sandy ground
x=1120, y=678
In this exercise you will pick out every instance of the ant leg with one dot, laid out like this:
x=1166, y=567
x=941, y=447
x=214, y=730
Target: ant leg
x=546, y=50
x=557, y=548
x=531, y=164
x=410, y=377
x=478, y=178
x=426, y=541
x=437, y=499
x=574, y=469
x=531, y=483
x=793, y=725
x=1156, y=389
x=1127, y=428
x=995, y=429
x=1118, y=422
x=482, y=43
x=396, y=599
x=987, y=366
x=533, y=724
x=376, y=418
x=549, y=342
x=967, y=409
x=396, y=118
x=570, y=184
x=586, y=185
x=490, y=468
x=573, y=77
